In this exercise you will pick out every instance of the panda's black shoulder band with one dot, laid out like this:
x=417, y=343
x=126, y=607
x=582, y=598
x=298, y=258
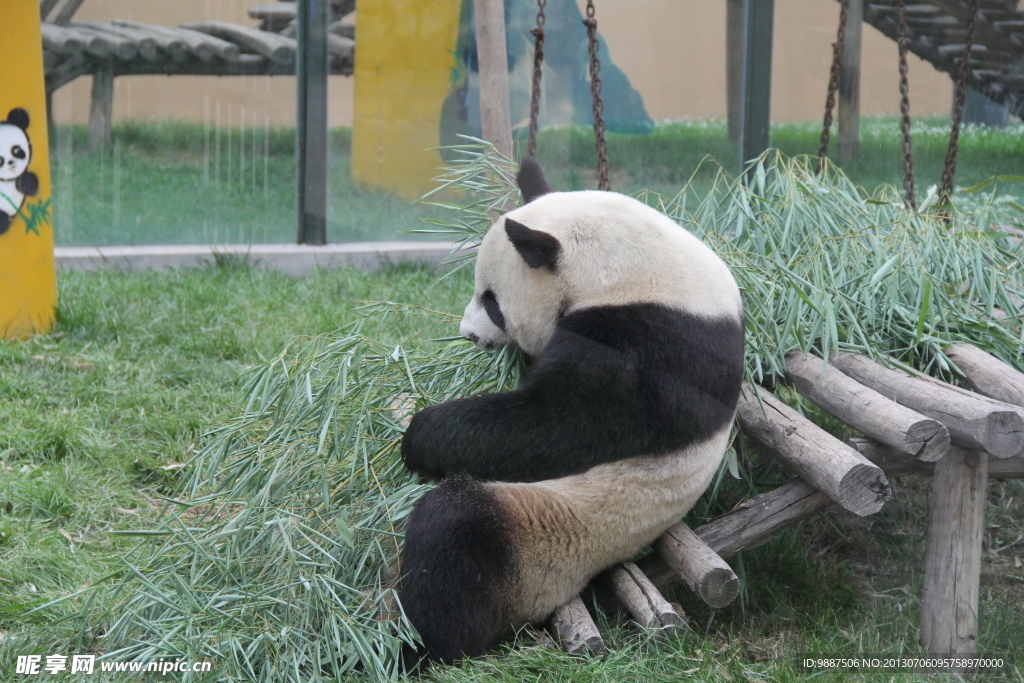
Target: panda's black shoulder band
x=531, y=180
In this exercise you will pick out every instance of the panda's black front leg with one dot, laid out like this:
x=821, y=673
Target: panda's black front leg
x=28, y=184
x=5, y=222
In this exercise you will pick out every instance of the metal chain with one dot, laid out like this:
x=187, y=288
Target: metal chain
x=833, y=83
x=603, y=183
x=958, y=105
x=538, y=62
x=903, y=41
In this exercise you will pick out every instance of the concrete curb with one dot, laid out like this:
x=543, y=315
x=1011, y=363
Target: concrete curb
x=292, y=259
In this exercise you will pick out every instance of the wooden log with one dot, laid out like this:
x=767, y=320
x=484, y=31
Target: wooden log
x=66, y=12
x=896, y=464
x=45, y=7
x=144, y=41
x=746, y=526
x=274, y=47
x=101, y=109
x=848, y=139
x=340, y=47
x=495, y=117
x=952, y=562
x=973, y=421
x=66, y=71
x=345, y=30
x=168, y=42
x=866, y=410
x=72, y=42
x=118, y=46
x=273, y=16
x=821, y=459
x=987, y=374
x=700, y=567
x=574, y=628
x=638, y=595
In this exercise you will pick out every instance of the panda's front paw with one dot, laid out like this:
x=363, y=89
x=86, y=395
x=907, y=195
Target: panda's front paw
x=415, y=445
x=28, y=184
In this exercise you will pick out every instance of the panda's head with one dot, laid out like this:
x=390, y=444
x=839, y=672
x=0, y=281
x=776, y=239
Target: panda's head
x=15, y=147
x=565, y=251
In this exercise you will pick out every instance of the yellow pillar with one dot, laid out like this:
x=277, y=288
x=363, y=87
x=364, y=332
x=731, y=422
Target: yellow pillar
x=28, y=285
x=403, y=72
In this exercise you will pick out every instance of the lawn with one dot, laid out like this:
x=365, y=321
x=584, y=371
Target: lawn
x=162, y=182
x=99, y=415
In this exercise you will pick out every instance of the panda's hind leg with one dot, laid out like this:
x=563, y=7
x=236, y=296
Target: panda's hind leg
x=456, y=569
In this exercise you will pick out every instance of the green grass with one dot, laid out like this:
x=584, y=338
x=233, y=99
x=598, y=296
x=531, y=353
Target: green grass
x=98, y=414
x=162, y=182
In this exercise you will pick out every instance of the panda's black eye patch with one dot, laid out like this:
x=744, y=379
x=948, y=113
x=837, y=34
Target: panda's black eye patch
x=493, y=309
x=17, y=152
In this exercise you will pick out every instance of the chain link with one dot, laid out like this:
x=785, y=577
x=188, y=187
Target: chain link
x=958, y=105
x=595, y=91
x=903, y=42
x=833, y=83
x=538, y=63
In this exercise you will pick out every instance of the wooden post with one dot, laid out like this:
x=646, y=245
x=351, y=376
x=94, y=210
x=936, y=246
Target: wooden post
x=101, y=108
x=311, y=124
x=834, y=468
x=849, y=85
x=575, y=629
x=734, y=65
x=952, y=561
x=755, y=135
x=492, y=56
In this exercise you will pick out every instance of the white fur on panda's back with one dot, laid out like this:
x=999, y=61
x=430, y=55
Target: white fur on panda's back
x=621, y=251
x=576, y=526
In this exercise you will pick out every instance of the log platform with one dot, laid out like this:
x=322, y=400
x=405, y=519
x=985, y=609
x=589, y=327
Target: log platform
x=910, y=426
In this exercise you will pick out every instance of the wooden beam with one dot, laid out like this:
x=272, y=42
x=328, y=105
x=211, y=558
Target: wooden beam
x=755, y=116
x=101, y=108
x=734, y=65
x=848, y=143
x=700, y=567
x=575, y=629
x=987, y=374
x=45, y=7
x=896, y=464
x=842, y=473
x=952, y=561
x=66, y=12
x=271, y=45
x=311, y=130
x=492, y=57
x=866, y=410
x=638, y=595
x=973, y=421
x=746, y=526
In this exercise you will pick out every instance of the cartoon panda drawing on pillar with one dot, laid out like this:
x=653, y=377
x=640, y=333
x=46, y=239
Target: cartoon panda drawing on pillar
x=16, y=181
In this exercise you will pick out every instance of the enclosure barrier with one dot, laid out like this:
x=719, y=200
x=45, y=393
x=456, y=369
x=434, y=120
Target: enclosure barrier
x=911, y=426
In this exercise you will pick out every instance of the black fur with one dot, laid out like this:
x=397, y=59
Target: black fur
x=614, y=382
x=538, y=249
x=5, y=222
x=531, y=180
x=18, y=117
x=27, y=183
x=493, y=309
x=454, y=569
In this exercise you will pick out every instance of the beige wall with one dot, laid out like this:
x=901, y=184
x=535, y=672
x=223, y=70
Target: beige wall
x=672, y=50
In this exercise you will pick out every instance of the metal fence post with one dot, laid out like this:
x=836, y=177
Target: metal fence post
x=311, y=121
x=757, y=79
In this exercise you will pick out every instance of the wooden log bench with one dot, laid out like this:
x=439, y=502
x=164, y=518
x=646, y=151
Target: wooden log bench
x=911, y=426
x=106, y=50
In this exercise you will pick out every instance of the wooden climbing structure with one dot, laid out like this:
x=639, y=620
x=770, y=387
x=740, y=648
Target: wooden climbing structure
x=911, y=425
x=937, y=30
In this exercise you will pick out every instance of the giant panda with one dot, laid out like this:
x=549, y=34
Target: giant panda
x=635, y=329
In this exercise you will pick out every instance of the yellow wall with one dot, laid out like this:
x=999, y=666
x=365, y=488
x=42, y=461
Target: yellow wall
x=672, y=50
x=28, y=288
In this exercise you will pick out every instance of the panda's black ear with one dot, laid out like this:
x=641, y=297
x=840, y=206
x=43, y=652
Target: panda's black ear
x=531, y=180
x=18, y=117
x=538, y=249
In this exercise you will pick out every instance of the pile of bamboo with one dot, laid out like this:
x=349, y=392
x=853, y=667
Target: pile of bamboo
x=910, y=425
